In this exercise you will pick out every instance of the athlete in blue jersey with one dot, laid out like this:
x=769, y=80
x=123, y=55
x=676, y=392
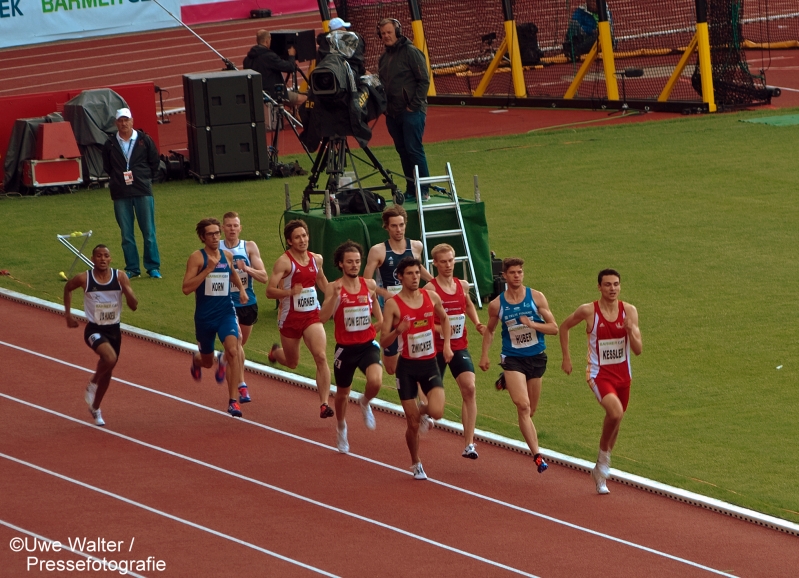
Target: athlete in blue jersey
x=249, y=266
x=525, y=318
x=209, y=274
x=383, y=259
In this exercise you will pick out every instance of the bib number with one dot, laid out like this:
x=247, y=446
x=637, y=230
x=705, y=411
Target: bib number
x=521, y=336
x=456, y=324
x=243, y=276
x=217, y=284
x=612, y=351
x=306, y=300
x=420, y=344
x=357, y=318
x=394, y=289
x=106, y=313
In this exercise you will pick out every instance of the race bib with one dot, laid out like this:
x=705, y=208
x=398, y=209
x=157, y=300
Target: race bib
x=243, y=275
x=394, y=289
x=217, y=284
x=305, y=300
x=456, y=325
x=106, y=313
x=357, y=318
x=420, y=344
x=521, y=336
x=612, y=351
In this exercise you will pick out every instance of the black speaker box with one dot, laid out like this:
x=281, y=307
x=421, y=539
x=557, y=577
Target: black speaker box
x=222, y=98
x=303, y=40
x=529, y=50
x=229, y=150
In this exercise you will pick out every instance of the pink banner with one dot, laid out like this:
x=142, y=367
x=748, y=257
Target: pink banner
x=237, y=9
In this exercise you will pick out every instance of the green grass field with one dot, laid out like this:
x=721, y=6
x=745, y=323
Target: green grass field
x=699, y=214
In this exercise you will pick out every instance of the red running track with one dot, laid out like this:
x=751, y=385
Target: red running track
x=269, y=494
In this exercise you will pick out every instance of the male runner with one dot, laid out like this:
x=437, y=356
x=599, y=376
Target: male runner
x=294, y=277
x=526, y=318
x=248, y=265
x=209, y=274
x=612, y=328
x=409, y=318
x=102, y=303
x=351, y=302
x=384, y=258
x=454, y=297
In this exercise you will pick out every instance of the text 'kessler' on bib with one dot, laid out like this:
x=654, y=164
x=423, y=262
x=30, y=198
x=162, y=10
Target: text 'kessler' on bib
x=612, y=351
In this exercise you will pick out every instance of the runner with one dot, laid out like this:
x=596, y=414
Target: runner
x=209, y=275
x=350, y=301
x=248, y=265
x=526, y=318
x=612, y=328
x=384, y=258
x=453, y=293
x=408, y=318
x=293, y=278
x=102, y=303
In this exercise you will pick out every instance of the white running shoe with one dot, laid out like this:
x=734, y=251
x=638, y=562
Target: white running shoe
x=341, y=440
x=600, y=481
x=98, y=416
x=368, y=416
x=418, y=472
x=91, y=391
x=425, y=423
x=470, y=452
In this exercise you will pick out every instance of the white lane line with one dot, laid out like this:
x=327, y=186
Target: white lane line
x=246, y=479
x=381, y=464
x=166, y=515
x=64, y=547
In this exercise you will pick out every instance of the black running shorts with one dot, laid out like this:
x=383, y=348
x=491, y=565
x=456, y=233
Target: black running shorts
x=348, y=358
x=247, y=314
x=411, y=372
x=94, y=335
x=461, y=363
x=532, y=367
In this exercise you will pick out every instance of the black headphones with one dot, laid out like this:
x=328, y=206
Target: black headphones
x=397, y=26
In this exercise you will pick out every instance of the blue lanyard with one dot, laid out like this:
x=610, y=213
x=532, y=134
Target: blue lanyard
x=127, y=153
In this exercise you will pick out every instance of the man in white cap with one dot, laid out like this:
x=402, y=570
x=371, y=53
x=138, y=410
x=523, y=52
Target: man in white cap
x=357, y=59
x=130, y=159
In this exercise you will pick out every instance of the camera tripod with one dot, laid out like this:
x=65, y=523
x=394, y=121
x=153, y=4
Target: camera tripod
x=332, y=159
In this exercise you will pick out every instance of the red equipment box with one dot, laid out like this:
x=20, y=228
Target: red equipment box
x=52, y=173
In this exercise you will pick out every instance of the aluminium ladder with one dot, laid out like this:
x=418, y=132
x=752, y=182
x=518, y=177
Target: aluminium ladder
x=460, y=232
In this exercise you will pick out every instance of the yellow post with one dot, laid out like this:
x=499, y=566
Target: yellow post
x=664, y=96
x=578, y=78
x=492, y=68
x=705, y=66
x=606, y=43
x=420, y=43
x=512, y=41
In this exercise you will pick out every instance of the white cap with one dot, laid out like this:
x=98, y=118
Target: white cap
x=123, y=112
x=337, y=23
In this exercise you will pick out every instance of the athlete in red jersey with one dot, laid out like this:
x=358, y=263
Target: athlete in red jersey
x=351, y=302
x=294, y=279
x=409, y=316
x=612, y=328
x=453, y=293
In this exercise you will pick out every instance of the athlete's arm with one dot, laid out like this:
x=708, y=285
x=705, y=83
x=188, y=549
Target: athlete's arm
x=78, y=280
x=391, y=314
x=195, y=274
x=488, y=333
x=417, y=250
x=130, y=297
x=446, y=330
x=582, y=313
x=321, y=279
x=280, y=271
x=377, y=255
x=331, y=297
x=550, y=326
x=256, y=268
x=243, y=297
x=377, y=313
x=471, y=310
x=633, y=331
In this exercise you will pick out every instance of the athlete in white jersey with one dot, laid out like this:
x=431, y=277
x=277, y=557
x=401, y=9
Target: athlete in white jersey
x=103, y=289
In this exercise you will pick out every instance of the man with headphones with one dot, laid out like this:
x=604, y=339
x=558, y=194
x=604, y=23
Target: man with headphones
x=403, y=72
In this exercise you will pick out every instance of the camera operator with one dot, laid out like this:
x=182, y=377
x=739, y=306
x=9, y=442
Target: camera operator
x=403, y=72
x=265, y=61
x=356, y=60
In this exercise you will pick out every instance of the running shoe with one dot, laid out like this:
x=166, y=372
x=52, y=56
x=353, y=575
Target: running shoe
x=539, y=461
x=271, y=355
x=470, y=452
x=91, y=391
x=154, y=274
x=500, y=382
x=368, y=416
x=418, y=472
x=600, y=481
x=133, y=275
x=425, y=423
x=233, y=408
x=326, y=411
x=341, y=440
x=98, y=416
x=603, y=466
x=196, y=370
x=221, y=368
x=244, y=394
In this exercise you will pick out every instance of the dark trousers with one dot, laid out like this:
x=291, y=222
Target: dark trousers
x=407, y=130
